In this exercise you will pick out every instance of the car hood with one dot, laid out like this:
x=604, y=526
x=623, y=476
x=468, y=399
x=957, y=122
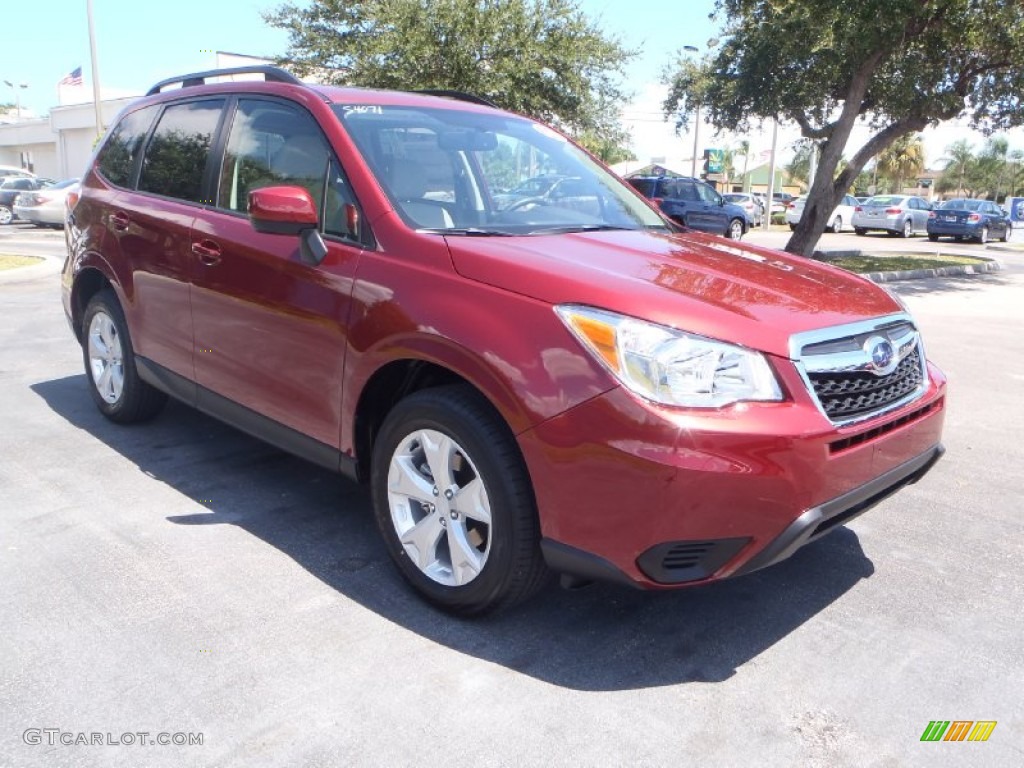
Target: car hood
x=699, y=283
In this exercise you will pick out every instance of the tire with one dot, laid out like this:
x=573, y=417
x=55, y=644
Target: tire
x=837, y=225
x=6, y=214
x=109, y=360
x=735, y=230
x=933, y=238
x=1006, y=234
x=453, y=430
x=859, y=231
x=983, y=235
x=908, y=229
x=792, y=227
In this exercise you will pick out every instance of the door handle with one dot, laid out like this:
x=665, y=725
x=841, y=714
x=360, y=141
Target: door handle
x=120, y=220
x=207, y=251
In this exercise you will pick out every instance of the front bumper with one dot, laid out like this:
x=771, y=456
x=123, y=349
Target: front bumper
x=661, y=498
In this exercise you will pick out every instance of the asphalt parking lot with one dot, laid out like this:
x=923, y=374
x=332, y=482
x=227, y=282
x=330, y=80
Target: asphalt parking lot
x=182, y=578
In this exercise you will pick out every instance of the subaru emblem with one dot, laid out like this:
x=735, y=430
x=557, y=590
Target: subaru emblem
x=883, y=356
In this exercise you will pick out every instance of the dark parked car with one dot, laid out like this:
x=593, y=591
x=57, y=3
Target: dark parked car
x=969, y=220
x=9, y=191
x=693, y=204
x=524, y=390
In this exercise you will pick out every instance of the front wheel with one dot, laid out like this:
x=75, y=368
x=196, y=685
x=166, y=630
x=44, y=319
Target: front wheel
x=115, y=385
x=837, y=225
x=735, y=230
x=454, y=503
x=6, y=214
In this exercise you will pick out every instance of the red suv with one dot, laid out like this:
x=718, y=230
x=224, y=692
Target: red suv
x=546, y=385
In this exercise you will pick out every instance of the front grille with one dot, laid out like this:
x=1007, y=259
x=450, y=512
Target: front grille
x=849, y=395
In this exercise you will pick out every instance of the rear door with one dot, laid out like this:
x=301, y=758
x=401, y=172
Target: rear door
x=153, y=224
x=271, y=329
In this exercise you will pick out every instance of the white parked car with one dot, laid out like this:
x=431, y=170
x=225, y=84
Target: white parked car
x=44, y=207
x=841, y=216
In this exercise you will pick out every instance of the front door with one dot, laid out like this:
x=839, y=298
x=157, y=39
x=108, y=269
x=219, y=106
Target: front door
x=271, y=329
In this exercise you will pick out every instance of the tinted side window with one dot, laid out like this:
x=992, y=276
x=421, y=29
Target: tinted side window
x=176, y=157
x=687, y=190
x=272, y=143
x=116, y=159
x=707, y=194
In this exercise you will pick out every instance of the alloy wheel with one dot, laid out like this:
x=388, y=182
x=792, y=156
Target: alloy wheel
x=106, y=357
x=439, y=507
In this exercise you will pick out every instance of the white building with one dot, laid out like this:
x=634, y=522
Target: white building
x=60, y=145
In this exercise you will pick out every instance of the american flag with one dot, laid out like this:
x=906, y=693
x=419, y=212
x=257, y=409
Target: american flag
x=74, y=77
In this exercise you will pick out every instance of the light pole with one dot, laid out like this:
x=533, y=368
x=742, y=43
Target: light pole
x=17, y=95
x=696, y=123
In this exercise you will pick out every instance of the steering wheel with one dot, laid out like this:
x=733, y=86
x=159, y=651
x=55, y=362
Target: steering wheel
x=524, y=202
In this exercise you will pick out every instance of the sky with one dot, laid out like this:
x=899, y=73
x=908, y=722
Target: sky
x=140, y=42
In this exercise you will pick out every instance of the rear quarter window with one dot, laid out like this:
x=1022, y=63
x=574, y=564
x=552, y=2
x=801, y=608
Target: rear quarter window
x=116, y=159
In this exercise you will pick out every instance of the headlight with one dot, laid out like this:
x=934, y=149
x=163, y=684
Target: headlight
x=668, y=366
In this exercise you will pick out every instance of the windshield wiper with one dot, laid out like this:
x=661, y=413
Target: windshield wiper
x=570, y=228
x=466, y=231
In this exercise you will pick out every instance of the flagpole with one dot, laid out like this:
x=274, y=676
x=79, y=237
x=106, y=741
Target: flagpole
x=95, y=70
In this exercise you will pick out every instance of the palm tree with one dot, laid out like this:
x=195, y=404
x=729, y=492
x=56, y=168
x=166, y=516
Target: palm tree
x=903, y=159
x=743, y=148
x=959, y=158
x=1015, y=157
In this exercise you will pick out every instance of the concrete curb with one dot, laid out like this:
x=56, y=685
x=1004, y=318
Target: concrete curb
x=953, y=270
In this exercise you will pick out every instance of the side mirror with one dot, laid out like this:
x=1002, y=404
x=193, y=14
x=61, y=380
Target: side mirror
x=288, y=211
x=282, y=210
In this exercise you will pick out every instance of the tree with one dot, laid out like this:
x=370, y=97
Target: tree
x=959, y=158
x=542, y=58
x=743, y=150
x=799, y=168
x=895, y=65
x=901, y=160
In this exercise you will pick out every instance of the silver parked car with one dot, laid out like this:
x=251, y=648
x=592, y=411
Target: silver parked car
x=902, y=215
x=749, y=203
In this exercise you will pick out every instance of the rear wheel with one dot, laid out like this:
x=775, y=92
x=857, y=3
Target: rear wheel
x=116, y=388
x=1006, y=234
x=454, y=503
x=792, y=227
x=735, y=230
x=860, y=231
x=933, y=238
x=983, y=235
x=908, y=229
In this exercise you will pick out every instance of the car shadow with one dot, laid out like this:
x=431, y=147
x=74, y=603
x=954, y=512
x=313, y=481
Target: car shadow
x=600, y=638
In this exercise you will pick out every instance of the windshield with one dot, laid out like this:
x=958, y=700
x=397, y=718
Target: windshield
x=885, y=200
x=462, y=172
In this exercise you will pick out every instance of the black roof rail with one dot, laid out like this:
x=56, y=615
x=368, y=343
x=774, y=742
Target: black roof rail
x=270, y=75
x=459, y=96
